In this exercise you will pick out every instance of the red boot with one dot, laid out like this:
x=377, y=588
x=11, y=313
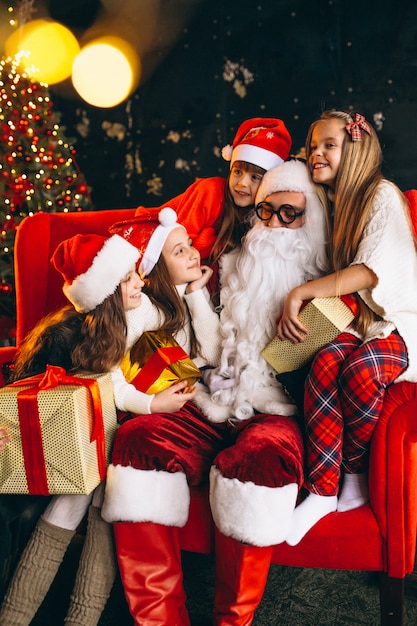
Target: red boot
x=150, y=566
x=241, y=575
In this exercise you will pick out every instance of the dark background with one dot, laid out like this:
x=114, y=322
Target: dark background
x=210, y=64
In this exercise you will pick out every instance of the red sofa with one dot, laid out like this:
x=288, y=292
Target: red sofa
x=379, y=536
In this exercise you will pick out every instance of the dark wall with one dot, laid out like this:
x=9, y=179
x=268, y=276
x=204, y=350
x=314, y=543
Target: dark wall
x=239, y=59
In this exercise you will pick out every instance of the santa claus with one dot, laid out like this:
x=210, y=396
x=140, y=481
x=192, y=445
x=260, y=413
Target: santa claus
x=284, y=248
x=255, y=465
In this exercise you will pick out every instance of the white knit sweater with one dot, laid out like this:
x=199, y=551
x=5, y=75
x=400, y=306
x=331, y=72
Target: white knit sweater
x=205, y=322
x=387, y=248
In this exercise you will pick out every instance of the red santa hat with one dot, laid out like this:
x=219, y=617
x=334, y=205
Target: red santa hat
x=262, y=141
x=148, y=231
x=290, y=176
x=93, y=266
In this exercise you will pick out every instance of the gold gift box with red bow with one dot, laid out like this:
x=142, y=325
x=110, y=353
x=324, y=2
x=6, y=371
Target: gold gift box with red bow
x=62, y=430
x=156, y=361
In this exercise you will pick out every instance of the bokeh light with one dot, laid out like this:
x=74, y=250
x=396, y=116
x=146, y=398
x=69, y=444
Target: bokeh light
x=49, y=49
x=106, y=71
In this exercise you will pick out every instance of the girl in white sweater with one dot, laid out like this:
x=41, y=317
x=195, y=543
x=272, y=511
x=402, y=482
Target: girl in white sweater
x=94, y=334
x=373, y=255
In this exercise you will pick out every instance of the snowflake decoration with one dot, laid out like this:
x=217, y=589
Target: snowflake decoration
x=182, y=165
x=83, y=126
x=379, y=120
x=154, y=186
x=239, y=76
x=240, y=89
x=174, y=136
x=114, y=130
x=24, y=11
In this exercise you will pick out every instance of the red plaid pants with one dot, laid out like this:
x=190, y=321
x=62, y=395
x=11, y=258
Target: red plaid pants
x=343, y=399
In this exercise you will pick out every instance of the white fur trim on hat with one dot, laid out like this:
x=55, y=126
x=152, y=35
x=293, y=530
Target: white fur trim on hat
x=289, y=176
x=254, y=514
x=167, y=222
x=134, y=495
x=115, y=259
x=255, y=155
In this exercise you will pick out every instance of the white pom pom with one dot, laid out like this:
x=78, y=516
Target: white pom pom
x=227, y=152
x=167, y=216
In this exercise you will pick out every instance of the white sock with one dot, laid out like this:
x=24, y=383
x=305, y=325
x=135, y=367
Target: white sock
x=307, y=514
x=354, y=493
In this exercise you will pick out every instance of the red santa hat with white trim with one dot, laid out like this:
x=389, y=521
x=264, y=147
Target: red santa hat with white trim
x=262, y=141
x=148, y=231
x=93, y=266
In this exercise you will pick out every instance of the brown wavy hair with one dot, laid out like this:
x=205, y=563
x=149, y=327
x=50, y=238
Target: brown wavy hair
x=91, y=342
x=161, y=291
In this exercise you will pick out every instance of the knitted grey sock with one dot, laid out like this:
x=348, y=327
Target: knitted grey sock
x=96, y=573
x=34, y=573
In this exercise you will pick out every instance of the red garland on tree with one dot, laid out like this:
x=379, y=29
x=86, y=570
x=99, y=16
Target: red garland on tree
x=38, y=171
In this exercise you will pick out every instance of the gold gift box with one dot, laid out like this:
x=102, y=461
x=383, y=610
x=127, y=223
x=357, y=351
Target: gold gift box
x=156, y=361
x=66, y=420
x=325, y=319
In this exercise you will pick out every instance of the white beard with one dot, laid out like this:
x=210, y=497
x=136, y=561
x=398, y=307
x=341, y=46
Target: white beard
x=254, y=285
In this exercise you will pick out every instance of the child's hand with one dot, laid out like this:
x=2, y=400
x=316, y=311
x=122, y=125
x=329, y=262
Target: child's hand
x=173, y=399
x=4, y=438
x=200, y=282
x=289, y=326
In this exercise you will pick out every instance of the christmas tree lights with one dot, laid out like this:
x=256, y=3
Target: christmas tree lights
x=38, y=171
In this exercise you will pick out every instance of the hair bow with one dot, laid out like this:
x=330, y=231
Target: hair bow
x=356, y=127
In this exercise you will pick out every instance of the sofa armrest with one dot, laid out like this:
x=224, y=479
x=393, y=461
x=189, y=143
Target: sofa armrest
x=7, y=354
x=393, y=475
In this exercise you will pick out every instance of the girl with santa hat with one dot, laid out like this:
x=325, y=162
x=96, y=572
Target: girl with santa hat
x=108, y=313
x=98, y=272
x=216, y=210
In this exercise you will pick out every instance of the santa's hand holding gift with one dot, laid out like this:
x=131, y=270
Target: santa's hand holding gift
x=277, y=254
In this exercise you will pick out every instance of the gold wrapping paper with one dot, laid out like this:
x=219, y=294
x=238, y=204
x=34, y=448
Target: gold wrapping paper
x=156, y=361
x=66, y=421
x=325, y=318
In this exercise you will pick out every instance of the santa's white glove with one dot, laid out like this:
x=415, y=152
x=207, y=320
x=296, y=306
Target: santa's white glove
x=216, y=380
x=244, y=411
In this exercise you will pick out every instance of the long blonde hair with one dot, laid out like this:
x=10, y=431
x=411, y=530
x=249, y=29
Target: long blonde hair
x=357, y=181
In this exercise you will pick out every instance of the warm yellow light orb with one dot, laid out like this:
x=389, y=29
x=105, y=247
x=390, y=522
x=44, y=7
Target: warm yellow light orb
x=106, y=71
x=49, y=49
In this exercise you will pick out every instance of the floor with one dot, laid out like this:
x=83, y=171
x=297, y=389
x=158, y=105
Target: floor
x=293, y=596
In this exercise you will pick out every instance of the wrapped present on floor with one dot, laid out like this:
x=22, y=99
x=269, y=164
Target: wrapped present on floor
x=61, y=428
x=156, y=361
x=325, y=318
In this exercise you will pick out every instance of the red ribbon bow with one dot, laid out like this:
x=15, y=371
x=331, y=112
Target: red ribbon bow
x=30, y=426
x=356, y=127
x=153, y=368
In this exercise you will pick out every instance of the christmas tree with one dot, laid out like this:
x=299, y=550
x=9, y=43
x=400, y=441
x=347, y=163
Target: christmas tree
x=38, y=171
